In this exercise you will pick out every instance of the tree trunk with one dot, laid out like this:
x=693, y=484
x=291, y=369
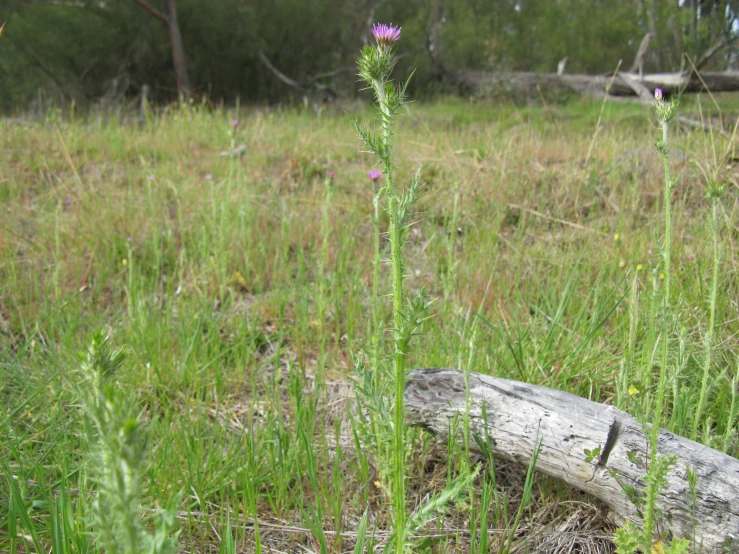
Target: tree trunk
x=169, y=18
x=178, y=52
x=593, y=447
x=434, y=41
x=650, y=8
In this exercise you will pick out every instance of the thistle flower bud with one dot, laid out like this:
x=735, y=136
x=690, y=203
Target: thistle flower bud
x=715, y=190
x=666, y=110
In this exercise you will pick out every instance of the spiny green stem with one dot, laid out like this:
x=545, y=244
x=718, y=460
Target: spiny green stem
x=711, y=322
x=399, y=506
x=376, y=288
x=716, y=261
x=377, y=330
x=668, y=206
x=660, y=398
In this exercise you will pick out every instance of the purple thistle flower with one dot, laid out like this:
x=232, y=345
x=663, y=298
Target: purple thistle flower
x=658, y=94
x=650, y=251
x=331, y=174
x=385, y=34
x=68, y=202
x=208, y=176
x=235, y=123
x=374, y=174
x=128, y=239
x=150, y=177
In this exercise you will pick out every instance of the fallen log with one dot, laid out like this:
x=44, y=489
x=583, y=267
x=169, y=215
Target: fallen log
x=593, y=447
x=623, y=85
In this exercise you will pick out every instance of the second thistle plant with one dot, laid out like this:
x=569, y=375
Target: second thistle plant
x=118, y=444
x=629, y=538
x=714, y=192
x=666, y=111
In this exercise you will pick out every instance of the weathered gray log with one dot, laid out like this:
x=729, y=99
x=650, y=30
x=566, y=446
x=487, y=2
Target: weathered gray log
x=520, y=414
x=646, y=96
x=526, y=82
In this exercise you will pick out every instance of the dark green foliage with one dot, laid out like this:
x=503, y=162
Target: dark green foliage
x=74, y=53
x=79, y=52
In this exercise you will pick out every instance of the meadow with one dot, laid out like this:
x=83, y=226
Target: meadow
x=230, y=251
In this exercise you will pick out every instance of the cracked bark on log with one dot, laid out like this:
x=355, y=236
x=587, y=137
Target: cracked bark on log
x=519, y=414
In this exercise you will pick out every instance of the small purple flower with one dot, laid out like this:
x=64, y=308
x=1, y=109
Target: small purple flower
x=208, y=176
x=150, y=178
x=128, y=239
x=235, y=123
x=385, y=34
x=658, y=94
x=374, y=175
x=650, y=251
x=331, y=174
x=68, y=202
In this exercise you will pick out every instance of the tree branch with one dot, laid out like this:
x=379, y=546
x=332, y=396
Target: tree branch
x=326, y=74
x=639, y=58
x=39, y=63
x=279, y=74
x=710, y=53
x=153, y=11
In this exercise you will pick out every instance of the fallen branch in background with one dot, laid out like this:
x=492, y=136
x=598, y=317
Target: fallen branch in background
x=627, y=83
x=705, y=125
x=623, y=85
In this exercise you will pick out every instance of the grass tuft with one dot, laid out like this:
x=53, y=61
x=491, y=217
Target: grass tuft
x=243, y=300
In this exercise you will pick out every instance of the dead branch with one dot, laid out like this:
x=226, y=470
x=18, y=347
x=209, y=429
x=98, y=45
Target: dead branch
x=279, y=74
x=638, y=65
x=593, y=447
x=711, y=52
x=153, y=11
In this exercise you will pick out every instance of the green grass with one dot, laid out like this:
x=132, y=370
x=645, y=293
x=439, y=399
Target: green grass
x=240, y=319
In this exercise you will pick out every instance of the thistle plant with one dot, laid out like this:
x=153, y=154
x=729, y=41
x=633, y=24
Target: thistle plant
x=375, y=67
x=630, y=538
x=118, y=444
x=714, y=192
x=666, y=111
